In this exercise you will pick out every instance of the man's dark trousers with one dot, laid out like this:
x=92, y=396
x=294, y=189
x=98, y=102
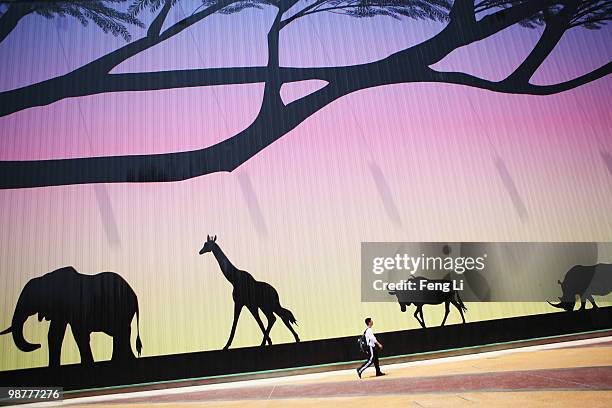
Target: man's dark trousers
x=372, y=359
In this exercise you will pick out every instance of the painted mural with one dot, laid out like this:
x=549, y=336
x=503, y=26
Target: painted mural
x=211, y=167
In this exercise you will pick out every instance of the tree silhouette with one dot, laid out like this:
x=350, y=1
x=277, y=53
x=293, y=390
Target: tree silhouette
x=467, y=21
x=99, y=11
x=591, y=14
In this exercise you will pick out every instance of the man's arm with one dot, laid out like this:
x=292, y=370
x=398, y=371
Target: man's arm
x=376, y=341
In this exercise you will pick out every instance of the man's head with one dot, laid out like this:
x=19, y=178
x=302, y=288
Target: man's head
x=369, y=322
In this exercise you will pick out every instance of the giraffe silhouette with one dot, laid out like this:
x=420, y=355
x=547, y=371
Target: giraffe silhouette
x=251, y=293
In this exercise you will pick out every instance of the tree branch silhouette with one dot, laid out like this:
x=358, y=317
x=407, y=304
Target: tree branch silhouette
x=82, y=81
x=91, y=78
x=556, y=25
x=463, y=12
x=275, y=119
x=460, y=78
x=98, y=11
x=156, y=26
x=301, y=13
x=11, y=17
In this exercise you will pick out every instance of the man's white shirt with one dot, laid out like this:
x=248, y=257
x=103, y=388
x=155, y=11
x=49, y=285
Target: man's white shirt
x=370, y=338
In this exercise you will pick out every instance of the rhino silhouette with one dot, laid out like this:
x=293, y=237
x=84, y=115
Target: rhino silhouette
x=584, y=281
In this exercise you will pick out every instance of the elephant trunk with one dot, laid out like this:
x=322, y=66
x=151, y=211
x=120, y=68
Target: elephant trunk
x=21, y=343
x=20, y=316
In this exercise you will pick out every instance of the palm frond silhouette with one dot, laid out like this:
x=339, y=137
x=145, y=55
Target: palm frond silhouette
x=103, y=13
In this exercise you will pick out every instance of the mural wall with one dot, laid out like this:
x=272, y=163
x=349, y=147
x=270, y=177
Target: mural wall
x=307, y=127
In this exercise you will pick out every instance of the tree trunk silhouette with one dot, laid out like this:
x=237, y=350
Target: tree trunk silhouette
x=11, y=18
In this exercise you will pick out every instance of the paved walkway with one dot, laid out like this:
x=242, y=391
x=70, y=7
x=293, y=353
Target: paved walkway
x=572, y=374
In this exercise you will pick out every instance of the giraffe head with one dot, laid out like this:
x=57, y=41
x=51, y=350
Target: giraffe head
x=209, y=244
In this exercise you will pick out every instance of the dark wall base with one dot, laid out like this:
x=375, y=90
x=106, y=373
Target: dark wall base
x=252, y=359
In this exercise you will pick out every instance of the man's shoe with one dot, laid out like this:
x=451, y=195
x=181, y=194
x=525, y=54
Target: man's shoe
x=380, y=374
x=358, y=373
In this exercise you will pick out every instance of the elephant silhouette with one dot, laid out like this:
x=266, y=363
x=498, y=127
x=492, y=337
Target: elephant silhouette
x=104, y=302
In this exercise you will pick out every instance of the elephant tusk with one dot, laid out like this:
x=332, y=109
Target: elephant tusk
x=7, y=331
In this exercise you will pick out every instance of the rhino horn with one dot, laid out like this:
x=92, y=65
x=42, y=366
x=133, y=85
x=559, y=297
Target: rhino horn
x=558, y=305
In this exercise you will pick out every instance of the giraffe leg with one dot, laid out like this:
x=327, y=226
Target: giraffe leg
x=271, y=319
x=255, y=314
x=237, y=310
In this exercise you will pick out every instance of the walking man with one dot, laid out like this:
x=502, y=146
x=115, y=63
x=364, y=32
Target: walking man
x=372, y=350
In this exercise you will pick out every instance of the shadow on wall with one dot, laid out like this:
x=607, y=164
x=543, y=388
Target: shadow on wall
x=104, y=302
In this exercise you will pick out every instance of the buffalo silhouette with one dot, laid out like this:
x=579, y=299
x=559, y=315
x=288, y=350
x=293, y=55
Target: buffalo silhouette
x=419, y=298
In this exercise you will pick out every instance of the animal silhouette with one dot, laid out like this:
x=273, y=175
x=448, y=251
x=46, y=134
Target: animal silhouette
x=584, y=281
x=420, y=298
x=251, y=293
x=104, y=302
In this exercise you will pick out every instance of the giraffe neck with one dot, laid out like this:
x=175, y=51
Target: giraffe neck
x=229, y=271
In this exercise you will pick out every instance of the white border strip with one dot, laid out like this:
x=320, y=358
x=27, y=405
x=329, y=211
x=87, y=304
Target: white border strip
x=300, y=377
